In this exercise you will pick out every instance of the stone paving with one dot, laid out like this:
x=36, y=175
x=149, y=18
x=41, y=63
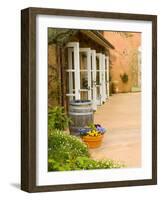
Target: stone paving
x=121, y=115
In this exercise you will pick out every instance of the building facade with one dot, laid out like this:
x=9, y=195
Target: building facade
x=125, y=60
x=78, y=67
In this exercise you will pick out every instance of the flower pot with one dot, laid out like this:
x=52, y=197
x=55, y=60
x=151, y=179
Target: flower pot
x=93, y=141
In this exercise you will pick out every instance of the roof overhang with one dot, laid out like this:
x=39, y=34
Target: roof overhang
x=98, y=37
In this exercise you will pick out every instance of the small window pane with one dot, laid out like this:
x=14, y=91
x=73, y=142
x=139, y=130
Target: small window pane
x=83, y=80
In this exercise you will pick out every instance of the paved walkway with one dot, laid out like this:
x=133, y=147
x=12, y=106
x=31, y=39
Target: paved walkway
x=122, y=142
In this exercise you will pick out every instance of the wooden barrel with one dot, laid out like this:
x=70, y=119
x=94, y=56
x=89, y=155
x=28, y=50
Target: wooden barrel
x=81, y=114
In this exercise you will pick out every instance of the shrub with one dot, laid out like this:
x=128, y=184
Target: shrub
x=82, y=163
x=66, y=152
x=88, y=163
x=57, y=119
x=63, y=147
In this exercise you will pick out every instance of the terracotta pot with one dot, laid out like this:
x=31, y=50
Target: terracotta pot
x=93, y=141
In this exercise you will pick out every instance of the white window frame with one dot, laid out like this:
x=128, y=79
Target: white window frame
x=99, y=101
x=87, y=51
x=76, y=70
x=103, y=79
x=93, y=70
x=107, y=70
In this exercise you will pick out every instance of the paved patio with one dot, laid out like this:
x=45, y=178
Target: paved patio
x=122, y=142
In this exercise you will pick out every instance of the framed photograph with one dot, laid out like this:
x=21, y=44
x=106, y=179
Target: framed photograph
x=89, y=99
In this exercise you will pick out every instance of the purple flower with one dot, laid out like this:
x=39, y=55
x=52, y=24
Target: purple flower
x=83, y=131
x=97, y=125
x=101, y=129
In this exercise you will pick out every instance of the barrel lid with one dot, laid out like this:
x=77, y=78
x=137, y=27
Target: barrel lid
x=80, y=102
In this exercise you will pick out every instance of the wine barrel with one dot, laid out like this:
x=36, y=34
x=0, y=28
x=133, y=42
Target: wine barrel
x=81, y=115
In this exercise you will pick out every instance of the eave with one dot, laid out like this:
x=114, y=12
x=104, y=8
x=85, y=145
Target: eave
x=98, y=37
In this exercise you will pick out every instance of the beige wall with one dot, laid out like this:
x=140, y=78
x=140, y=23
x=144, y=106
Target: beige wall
x=124, y=58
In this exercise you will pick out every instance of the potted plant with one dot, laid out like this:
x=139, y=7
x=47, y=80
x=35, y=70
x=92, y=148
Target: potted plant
x=92, y=135
x=114, y=87
x=124, y=77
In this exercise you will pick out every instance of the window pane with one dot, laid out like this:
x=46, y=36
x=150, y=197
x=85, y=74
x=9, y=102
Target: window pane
x=83, y=80
x=98, y=92
x=70, y=82
x=83, y=61
x=97, y=78
x=84, y=95
x=97, y=63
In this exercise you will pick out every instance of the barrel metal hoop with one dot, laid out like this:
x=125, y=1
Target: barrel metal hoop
x=80, y=108
x=81, y=104
x=87, y=113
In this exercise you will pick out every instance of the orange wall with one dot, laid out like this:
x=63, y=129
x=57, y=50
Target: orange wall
x=124, y=58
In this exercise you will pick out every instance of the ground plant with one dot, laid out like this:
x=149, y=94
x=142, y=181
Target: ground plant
x=57, y=119
x=67, y=152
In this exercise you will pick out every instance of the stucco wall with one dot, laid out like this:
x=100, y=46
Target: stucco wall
x=124, y=59
x=53, y=77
